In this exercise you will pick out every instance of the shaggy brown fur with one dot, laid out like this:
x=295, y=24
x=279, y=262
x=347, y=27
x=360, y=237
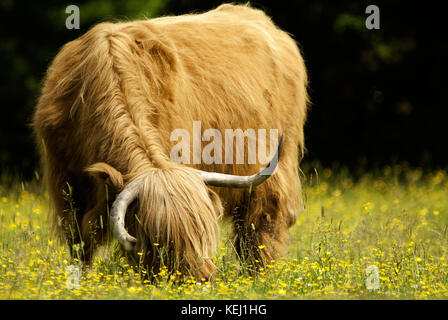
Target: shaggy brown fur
x=112, y=97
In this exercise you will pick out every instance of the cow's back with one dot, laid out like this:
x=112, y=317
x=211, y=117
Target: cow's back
x=229, y=68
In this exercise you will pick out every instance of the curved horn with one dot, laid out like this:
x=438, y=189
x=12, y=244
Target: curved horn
x=232, y=181
x=130, y=193
x=118, y=213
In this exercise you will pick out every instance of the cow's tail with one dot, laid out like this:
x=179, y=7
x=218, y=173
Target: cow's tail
x=175, y=218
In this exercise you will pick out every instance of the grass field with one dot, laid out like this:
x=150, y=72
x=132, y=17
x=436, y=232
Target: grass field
x=394, y=219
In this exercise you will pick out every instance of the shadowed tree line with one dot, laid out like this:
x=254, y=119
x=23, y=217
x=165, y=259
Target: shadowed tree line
x=377, y=95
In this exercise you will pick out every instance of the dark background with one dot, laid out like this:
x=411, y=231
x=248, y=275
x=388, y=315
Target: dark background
x=378, y=96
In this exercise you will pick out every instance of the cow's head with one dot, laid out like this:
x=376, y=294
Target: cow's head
x=176, y=211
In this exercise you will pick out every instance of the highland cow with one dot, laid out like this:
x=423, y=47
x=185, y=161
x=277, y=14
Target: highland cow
x=109, y=102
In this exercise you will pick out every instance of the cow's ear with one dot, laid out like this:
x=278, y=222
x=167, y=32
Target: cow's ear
x=107, y=174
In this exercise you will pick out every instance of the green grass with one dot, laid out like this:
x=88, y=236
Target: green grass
x=395, y=218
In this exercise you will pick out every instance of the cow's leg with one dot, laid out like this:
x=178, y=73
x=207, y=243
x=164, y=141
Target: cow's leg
x=83, y=228
x=93, y=231
x=260, y=231
x=264, y=216
x=94, y=197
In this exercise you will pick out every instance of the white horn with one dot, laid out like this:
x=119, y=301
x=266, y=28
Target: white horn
x=232, y=181
x=118, y=213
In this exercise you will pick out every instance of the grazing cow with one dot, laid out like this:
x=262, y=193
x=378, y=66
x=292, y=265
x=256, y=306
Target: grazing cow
x=111, y=100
